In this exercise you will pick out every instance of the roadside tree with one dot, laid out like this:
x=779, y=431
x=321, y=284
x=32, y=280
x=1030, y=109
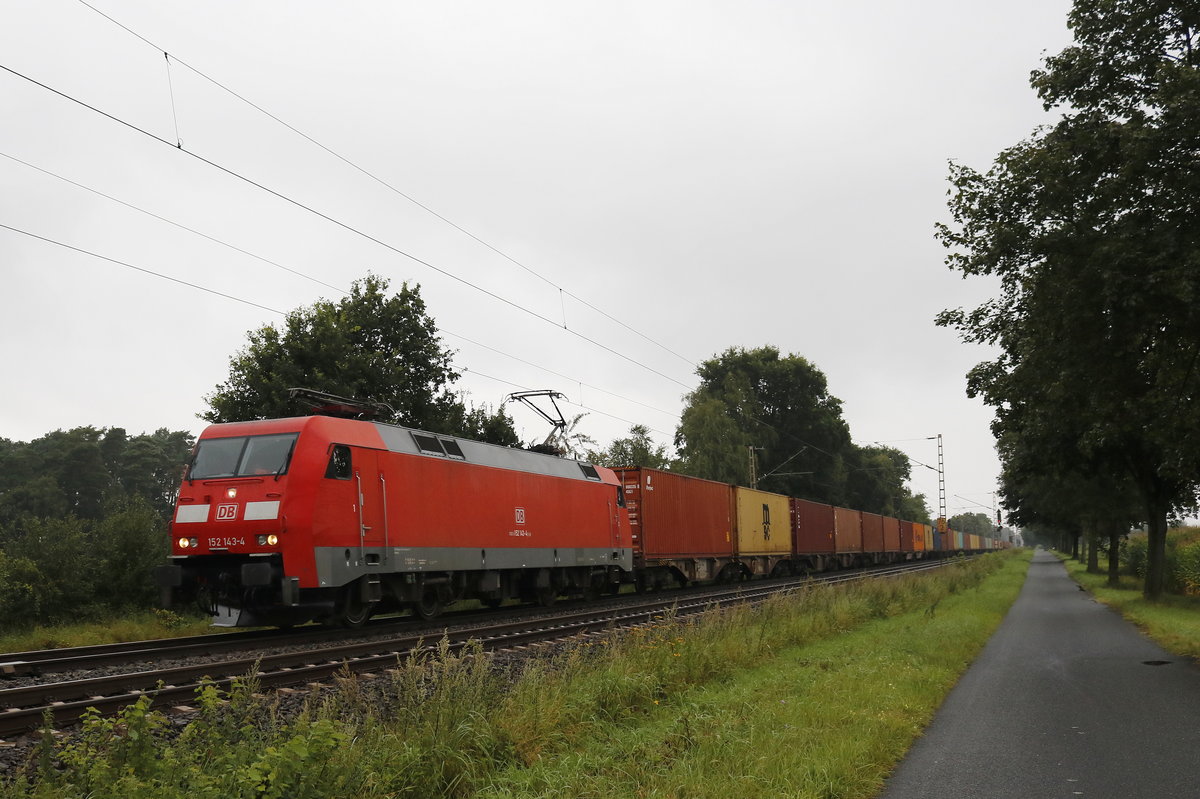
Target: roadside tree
x=1093, y=228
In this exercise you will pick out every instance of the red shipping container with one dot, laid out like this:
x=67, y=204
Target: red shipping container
x=848, y=530
x=812, y=527
x=907, y=539
x=872, y=537
x=891, y=534
x=674, y=516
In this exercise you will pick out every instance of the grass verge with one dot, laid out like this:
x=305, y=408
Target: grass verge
x=814, y=695
x=134, y=626
x=1173, y=622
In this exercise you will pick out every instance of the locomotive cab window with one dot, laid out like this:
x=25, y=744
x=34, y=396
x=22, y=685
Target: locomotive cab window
x=242, y=456
x=339, y=467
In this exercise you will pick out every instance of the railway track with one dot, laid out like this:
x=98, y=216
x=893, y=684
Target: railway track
x=23, y=708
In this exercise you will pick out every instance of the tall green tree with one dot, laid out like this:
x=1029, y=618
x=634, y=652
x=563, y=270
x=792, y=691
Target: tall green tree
x=778, y=405
x=876, y=481
x=1093, y=227
x=369, y=345
x=636, y=449
x=974, y=523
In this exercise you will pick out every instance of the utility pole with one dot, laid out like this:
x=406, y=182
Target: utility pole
x=941, y=486
x=753, y=465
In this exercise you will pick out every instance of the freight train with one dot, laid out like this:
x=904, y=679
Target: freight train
x=284, y=521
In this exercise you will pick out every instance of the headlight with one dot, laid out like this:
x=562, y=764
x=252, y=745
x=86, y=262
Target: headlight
x=272, y=539
x=231, y=493
x=184, y=543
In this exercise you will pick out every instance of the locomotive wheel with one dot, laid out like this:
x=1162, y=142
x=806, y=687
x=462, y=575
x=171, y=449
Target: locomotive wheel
x=547, y=596
x=352, y=611
x=492, y=602
x=429, y=606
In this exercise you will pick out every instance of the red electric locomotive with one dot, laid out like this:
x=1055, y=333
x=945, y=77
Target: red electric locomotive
x=283, y=521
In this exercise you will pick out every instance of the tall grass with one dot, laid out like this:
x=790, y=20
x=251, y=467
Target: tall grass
x=814, y=694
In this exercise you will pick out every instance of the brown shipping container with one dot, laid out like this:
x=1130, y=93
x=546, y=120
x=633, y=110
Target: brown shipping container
x=848, y=530
x=763, y=523
x=907, y=531
x=812, y=526
x=678, y=516
x=872, y=524
x=891, y=534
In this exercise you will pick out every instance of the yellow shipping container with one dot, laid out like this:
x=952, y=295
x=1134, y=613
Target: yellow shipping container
x=929, y=539
x=764, y=524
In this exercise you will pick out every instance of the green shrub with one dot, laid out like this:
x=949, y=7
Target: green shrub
x=20, y=592
x=1134, y=555
x=1182, y=559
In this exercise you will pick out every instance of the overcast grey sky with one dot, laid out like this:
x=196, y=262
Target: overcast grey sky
x=711, y=174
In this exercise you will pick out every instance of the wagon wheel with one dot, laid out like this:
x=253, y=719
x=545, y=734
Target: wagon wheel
x=492, y=602
x=429, y=606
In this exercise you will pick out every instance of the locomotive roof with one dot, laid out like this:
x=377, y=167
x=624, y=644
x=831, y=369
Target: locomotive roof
x=412, y=441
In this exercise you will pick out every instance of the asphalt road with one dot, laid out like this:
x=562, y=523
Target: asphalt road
x=1062, y=703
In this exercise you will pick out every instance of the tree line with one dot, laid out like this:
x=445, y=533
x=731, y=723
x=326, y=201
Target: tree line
x=83, y=513
x=83, y=521
x=1092, y=226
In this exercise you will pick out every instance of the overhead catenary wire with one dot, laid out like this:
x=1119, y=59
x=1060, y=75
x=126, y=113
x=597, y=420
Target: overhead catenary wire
x=258, y=305
x=344, y=225
x=566, y=401
x=143, y=270
x=387, y=185
x=339, y=289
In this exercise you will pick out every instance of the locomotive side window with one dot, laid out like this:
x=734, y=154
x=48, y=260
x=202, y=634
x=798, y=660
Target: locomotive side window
x=433, y=445
x=452, y=448
x=589, y=471
x=428, y=445
x=339, y=463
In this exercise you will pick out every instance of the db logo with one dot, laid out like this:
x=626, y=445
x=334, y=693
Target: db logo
x=520, y=514
x=226, y=513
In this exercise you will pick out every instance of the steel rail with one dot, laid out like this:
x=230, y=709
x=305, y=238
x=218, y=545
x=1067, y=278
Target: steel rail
x=22, y=709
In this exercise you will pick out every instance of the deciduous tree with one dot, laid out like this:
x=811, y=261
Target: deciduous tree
x=369, y=345
x=1093, y=228
x=636, y=449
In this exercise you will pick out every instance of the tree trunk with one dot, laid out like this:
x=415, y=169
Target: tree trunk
x=1115, y=531
x=1075, y=546
x=1156, y=551
x=1093, y=552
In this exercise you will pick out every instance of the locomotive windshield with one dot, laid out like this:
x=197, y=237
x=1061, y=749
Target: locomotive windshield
x=247, y=456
